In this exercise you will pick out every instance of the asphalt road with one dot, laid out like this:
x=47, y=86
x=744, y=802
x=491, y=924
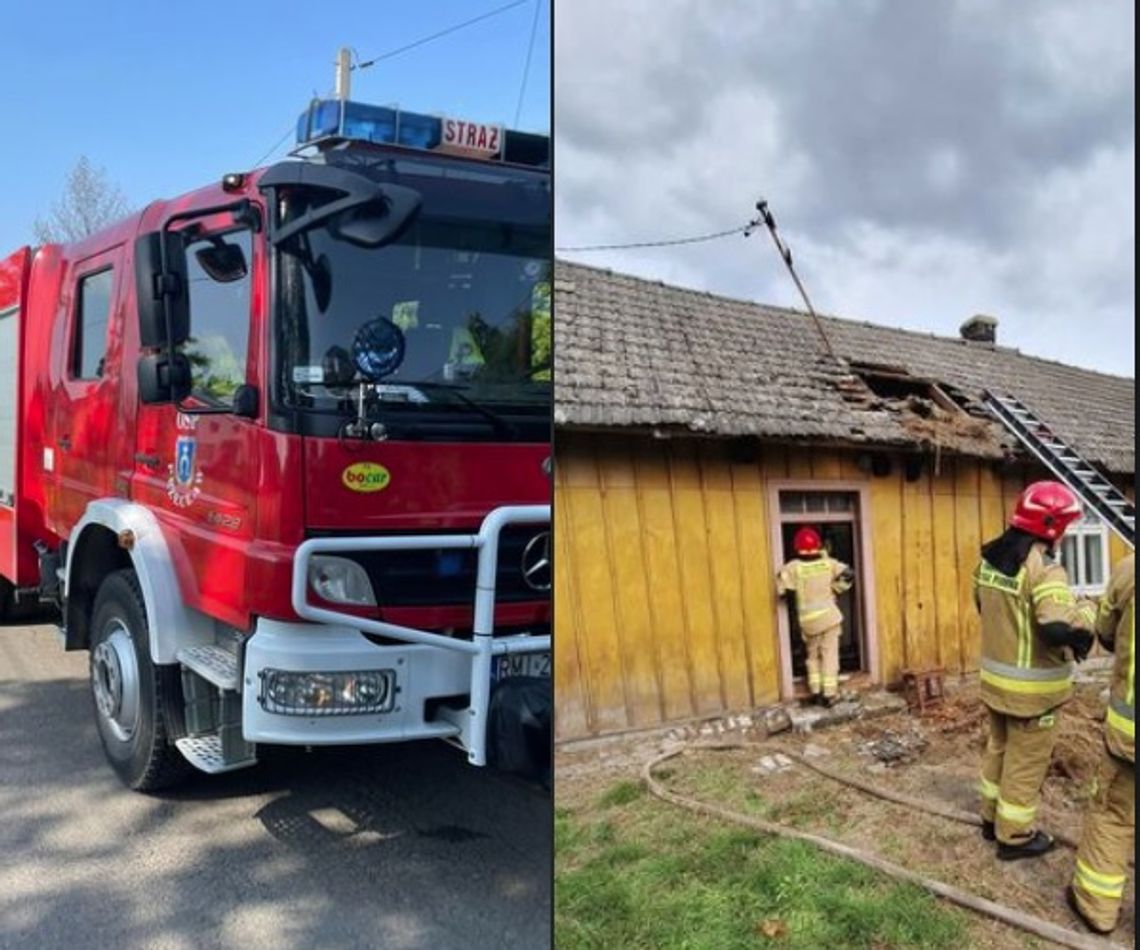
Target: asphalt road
x=398, y=847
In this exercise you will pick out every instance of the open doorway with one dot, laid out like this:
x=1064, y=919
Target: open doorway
x=835, y=514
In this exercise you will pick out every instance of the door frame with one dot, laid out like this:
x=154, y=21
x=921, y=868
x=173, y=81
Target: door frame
x=67, y=493
x=866, y=578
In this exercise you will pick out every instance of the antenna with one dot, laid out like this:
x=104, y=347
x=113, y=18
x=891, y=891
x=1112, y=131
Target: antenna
x=343, y=72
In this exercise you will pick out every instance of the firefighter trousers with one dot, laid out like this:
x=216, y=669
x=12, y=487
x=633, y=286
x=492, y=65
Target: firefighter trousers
x=1106, y=842
x=823, y=661
x=1013, y=771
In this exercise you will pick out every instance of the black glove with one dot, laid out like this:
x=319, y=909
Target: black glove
x=1062, y=635
x=1080, y=643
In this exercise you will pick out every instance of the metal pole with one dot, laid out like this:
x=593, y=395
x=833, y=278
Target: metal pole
x=786, y=255
x=343, y=71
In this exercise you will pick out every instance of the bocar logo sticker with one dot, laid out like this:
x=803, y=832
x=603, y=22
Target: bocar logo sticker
x=365, y=477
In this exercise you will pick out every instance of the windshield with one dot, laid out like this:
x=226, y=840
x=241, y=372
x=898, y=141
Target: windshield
x=468, y=284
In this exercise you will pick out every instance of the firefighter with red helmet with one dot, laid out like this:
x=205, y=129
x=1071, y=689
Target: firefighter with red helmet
x=815, y=578
x=1032, y=629
x=1101, y=867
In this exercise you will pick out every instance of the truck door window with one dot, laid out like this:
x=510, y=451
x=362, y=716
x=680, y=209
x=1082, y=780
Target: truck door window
x=219, y=322
x=89, y=346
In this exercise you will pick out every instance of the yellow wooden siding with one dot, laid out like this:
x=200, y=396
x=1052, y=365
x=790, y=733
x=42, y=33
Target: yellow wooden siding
x=757, y=596
x=885, y=525
x=665, y=606
x=945, y=567
x=1117, y=549
x=968, y=537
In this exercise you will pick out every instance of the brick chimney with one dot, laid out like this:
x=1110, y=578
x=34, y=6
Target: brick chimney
x=980, y=328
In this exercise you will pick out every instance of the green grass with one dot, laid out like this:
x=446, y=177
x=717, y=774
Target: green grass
x=634, y=872
x=621, y=794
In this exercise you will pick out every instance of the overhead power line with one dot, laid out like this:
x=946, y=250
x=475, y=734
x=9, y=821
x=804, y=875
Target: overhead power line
x=436, y=36
x=396, y=52
x=529, y=53
x=276, y=145
x=764, y=218
x=744, y=229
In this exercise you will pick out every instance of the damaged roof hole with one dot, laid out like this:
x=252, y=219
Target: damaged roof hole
x=897, y=385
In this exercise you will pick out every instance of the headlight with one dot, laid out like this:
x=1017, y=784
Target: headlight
x=340, y=581
x=328, y=694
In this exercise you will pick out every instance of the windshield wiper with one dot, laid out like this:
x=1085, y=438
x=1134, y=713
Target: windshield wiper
x=502, y=427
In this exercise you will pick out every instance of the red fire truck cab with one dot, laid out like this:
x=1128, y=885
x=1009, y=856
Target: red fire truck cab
x=279, y=449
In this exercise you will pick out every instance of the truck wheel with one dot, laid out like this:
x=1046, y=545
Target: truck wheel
x=7, y=597
x=130, y=690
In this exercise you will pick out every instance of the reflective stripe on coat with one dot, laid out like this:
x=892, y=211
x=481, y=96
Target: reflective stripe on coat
x=815, y=582
x=1020, y=674
x=1116, y=627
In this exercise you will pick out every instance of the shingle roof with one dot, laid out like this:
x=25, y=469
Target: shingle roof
x=635, y=353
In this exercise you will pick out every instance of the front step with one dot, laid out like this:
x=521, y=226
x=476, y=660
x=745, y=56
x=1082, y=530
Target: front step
x=206, y=754
x=213, y=663
x=210, y=681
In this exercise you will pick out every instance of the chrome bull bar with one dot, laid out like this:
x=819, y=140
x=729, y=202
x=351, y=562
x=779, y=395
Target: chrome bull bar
x=472, y=722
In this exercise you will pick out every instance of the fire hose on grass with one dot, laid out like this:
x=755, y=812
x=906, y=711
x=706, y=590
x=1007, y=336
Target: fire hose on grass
x=1009, y=915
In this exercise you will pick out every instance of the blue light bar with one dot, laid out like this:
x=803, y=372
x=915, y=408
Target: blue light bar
x=328, y=120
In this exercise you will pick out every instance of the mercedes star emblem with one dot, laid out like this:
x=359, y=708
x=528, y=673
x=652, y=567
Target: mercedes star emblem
x=536, y=562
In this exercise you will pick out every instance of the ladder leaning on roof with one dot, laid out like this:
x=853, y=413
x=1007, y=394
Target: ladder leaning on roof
x=1090, y=485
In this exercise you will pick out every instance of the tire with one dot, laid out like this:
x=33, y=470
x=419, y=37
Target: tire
x=130, y=693
x=7, y=598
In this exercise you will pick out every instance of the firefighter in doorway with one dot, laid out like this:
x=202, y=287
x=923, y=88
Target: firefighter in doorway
x=815, y=578
x=1110, y=826
x=1031, y=625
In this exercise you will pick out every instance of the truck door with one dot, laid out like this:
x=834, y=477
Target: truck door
x=199, y=470
x=83, y=420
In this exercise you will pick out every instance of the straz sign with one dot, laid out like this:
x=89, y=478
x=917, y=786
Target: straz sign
x=471, y=138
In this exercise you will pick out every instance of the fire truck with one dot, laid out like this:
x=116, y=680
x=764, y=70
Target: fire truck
x=279, y=450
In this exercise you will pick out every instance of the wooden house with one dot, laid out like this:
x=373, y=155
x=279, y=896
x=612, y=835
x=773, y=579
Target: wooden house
x=694, y=433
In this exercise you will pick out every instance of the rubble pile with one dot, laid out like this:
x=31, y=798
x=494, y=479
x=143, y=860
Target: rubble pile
x=895, y=747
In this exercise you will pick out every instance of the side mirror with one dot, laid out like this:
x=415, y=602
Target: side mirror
x=378, y=222
x=222, y=262
x=163, y=381
x=156, y=289
x=245, y=401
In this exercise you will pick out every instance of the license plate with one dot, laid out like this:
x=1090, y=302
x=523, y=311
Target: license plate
x=520, y=664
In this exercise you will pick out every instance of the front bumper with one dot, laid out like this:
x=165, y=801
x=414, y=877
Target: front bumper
x=427, y=665
x=422, y=673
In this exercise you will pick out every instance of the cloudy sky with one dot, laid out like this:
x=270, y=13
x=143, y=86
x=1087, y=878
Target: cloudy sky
x=924, y=161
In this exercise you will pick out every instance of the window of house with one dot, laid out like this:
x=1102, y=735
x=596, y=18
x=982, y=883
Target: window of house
x=1084, y=553
x=89, y=346
x=815, y=502
x=219, y=322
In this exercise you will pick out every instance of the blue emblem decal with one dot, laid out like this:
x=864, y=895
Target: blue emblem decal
x=184, y=483
x=184, y=451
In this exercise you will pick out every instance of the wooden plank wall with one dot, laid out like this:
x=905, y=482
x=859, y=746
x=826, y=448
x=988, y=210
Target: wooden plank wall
x=1117, y=548
x=665, y=603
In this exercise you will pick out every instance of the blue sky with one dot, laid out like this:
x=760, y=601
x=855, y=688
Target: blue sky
x=166, y=97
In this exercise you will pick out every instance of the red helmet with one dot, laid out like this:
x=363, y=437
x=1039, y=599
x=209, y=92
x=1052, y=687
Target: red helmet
x=1045, y=510
x=807, y=541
